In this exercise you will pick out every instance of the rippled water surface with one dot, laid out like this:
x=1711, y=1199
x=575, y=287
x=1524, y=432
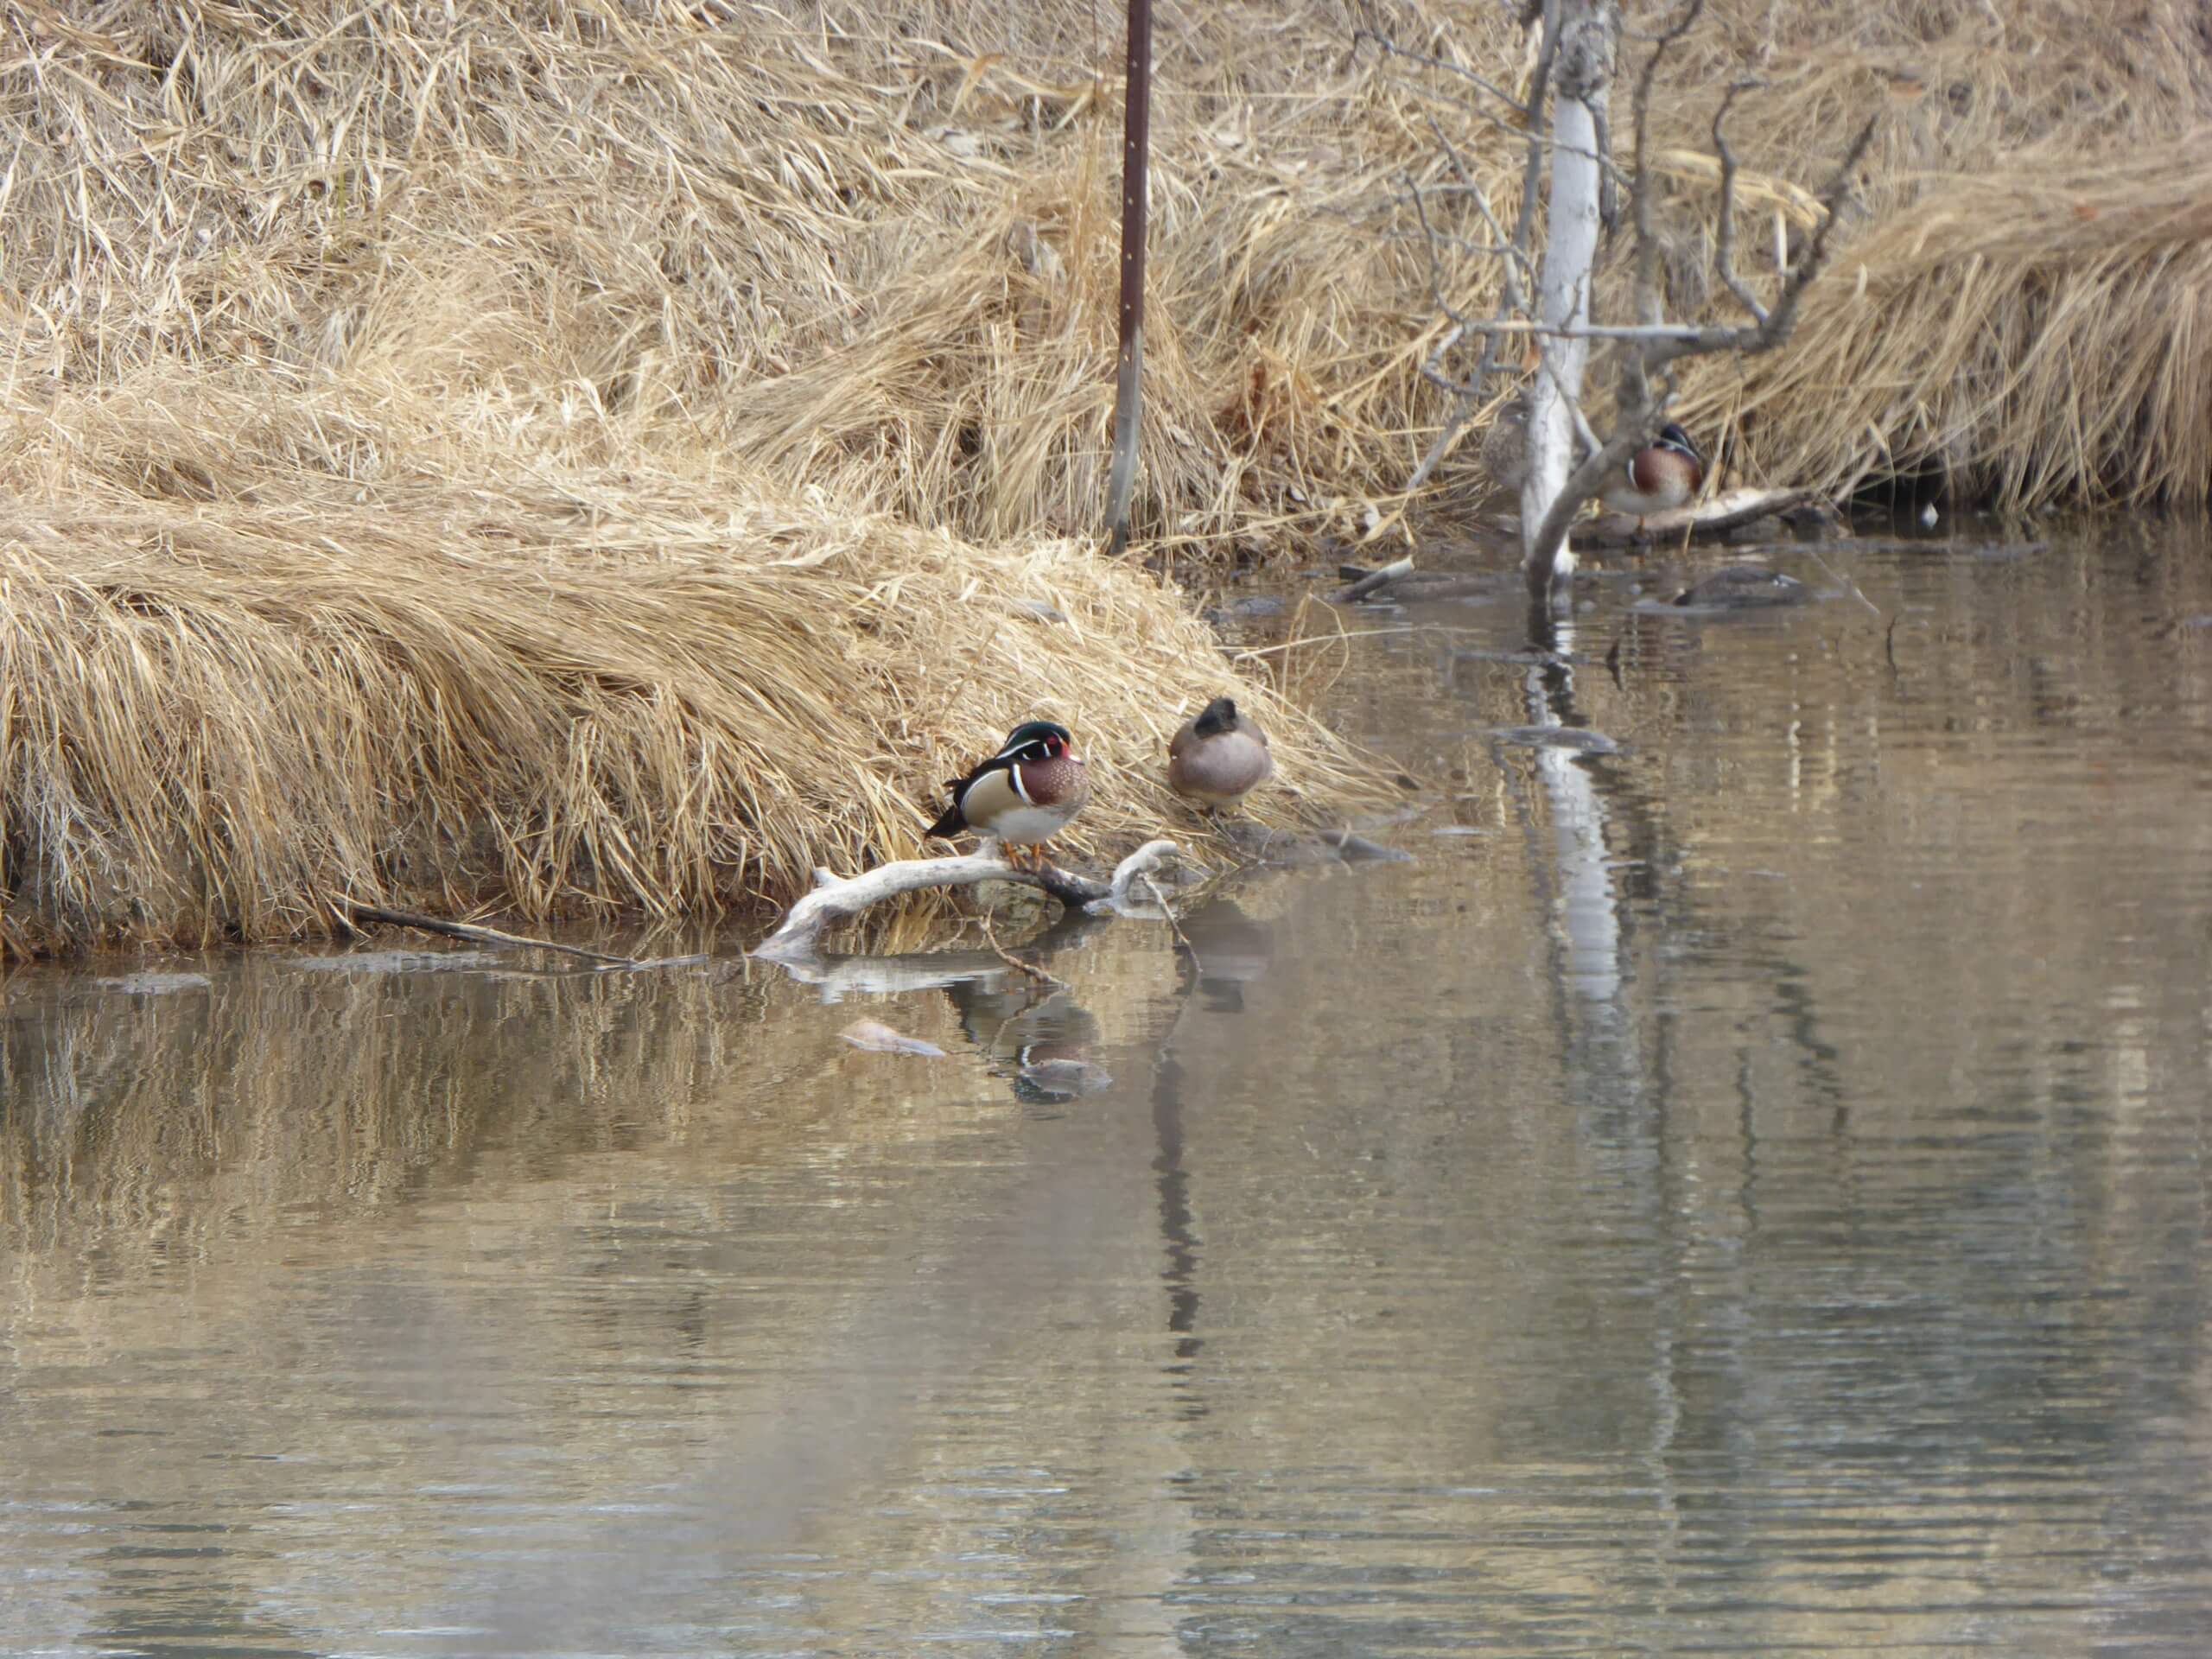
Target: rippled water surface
x=1746, y=1192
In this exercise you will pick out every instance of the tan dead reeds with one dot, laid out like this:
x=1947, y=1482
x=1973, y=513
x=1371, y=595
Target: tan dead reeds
x=2041, y=335
x=553, y=690
x=2018, y=301
x=422, y=485
x=871, y=249
x=579, y=454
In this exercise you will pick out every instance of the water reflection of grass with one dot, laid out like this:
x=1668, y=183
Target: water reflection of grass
x=288, y=1086
x=394, y=1224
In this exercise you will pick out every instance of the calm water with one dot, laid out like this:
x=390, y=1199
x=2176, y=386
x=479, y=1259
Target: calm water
x=1743, y=1193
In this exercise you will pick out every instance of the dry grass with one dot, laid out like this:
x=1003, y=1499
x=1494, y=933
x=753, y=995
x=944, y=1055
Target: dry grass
x=2030, y=237
x=2037, y=337
x=474, y=459
x=2024, y=309
x=562, y=691
x=583, y=455
x=870, y=249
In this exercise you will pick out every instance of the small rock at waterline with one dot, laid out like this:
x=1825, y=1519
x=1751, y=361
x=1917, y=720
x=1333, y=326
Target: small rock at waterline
x=1929, y=516
x=879, y=1038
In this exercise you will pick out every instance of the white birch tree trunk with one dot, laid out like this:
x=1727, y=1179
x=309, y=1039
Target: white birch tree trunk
x=1585, y=67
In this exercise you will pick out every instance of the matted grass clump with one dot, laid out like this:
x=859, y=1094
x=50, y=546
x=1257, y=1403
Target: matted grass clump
x=552, y=691
x=2038, y=335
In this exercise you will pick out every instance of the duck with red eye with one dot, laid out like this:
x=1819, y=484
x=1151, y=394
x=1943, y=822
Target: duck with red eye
x=1662, y=475
x=1022, y=796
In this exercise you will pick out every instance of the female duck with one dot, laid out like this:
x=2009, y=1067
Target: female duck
x=1220, y=757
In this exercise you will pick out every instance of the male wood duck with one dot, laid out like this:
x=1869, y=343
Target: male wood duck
x=1022, y=796
x=1663, y=474
x=1218, y=757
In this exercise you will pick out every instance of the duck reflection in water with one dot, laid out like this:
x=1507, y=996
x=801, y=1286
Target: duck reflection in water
x=1049, y=1044
x=1226, y=951
x=1035, y=1032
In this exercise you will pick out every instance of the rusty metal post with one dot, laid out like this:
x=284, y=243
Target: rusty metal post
x=1136, y=144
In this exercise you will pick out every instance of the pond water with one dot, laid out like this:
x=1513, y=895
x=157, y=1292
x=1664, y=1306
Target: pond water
x=1747, y=1192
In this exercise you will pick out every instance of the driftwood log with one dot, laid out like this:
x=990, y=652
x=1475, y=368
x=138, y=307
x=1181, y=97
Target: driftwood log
x=835, y=897
x=1700, y=521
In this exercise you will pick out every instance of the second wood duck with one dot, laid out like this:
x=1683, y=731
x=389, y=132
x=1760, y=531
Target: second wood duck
x=1664, y=474
x=1022, y=796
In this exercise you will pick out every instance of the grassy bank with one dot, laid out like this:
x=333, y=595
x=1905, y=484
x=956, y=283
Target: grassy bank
x=579, y=455
x=561, y=691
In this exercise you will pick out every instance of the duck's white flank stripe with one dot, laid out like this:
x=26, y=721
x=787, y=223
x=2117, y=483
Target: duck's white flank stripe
x=1020, y=788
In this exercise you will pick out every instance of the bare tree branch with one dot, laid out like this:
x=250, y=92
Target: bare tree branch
x=1429, y=239
x=1647, y=238
x=1724, y=252
x=1641, y=409
x=1650, y=343
x=1704, y=336
x=1574, y=205
x=1777, y=327
x=1393, y=49
x=1583, y=433
x=1511, y=296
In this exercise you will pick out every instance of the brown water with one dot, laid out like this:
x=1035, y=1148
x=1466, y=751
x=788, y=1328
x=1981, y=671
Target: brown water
x=1744, y=1193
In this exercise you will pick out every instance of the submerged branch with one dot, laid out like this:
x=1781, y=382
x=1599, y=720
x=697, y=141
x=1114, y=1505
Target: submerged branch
x=835, y=899
x=354, y=911
x=1353, y=592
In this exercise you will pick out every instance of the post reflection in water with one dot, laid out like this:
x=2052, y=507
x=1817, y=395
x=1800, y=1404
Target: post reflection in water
x=1744, y=1189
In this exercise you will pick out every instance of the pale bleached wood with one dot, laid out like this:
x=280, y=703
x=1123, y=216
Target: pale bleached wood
x=836, y=899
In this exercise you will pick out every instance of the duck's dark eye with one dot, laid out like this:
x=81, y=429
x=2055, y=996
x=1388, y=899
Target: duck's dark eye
x=1053, y=746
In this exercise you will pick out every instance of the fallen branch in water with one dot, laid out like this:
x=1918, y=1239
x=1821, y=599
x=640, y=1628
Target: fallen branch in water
x=354, y=911
x=837, y=898
x=1030, y=968
x=1354, y=592
x=1700, y=521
